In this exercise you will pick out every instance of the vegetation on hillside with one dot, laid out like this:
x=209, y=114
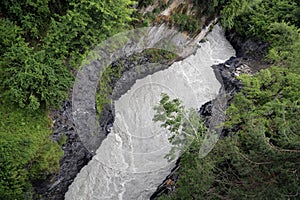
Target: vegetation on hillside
x=42, y=41
x=26, y=151
x=188, y=16
x=276, y=22
x=41, y=44
x=260, y=158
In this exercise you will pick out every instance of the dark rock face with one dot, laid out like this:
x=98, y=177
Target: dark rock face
x=225, y=73
x=252, y=51
x=247, y=46
x=168, y=185
x=205, y=111
x=249, y=60
x=75, y=157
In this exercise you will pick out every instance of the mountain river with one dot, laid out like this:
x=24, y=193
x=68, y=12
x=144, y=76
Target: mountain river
x=130, y=163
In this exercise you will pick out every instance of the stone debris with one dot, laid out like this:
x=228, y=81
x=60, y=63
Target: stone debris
x=242, y=69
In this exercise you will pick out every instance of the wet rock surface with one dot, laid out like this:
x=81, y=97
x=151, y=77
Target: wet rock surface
x=250, y=50
x=75, y=156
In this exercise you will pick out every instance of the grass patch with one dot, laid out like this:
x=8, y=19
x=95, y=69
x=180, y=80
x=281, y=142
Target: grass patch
x=26, y=151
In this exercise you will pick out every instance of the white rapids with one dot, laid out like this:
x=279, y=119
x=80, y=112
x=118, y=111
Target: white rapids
x=130, y=162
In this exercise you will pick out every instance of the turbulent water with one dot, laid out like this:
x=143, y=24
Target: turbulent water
x=130, y=162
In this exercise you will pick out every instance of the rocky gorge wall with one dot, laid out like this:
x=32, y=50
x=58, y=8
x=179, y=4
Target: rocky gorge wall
x=76, y=155
x=130, y=162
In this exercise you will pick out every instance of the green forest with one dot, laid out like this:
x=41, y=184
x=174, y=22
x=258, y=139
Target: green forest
x=260, y=157
x=43, y=42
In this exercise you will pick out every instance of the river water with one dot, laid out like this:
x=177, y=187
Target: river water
x=130, y=162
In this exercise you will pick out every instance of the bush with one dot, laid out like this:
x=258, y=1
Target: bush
x=185, y=22
x=31, y=78
x=26, y=151
x=275, y=22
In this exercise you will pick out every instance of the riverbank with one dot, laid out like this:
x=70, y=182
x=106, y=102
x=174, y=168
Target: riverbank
x=249, y=60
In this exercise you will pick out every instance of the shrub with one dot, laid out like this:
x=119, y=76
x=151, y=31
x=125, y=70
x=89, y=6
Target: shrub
x=26, y=151
x=31, y=78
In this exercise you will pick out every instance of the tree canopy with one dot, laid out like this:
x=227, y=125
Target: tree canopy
x=259, y=159
x=42, y=42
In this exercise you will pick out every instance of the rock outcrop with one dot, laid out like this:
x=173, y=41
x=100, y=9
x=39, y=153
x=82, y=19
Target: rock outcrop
x=75, y=156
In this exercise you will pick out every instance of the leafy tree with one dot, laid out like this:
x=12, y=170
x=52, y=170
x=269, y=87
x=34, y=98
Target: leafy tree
x=275, y=22
x=86, y=24
x=261, y=159
x=186, y=127
x=32, y=78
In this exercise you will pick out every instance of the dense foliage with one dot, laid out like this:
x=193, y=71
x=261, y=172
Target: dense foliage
x=275, y=22
x=260, y=157
x=41, y=43
x=259, y=161
x=26, y=151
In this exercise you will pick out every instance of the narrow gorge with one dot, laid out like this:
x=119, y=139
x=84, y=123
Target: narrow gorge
x=144, y=99
x=130, y=163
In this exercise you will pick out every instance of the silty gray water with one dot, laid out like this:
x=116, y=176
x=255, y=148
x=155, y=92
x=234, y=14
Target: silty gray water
x=130, y=162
